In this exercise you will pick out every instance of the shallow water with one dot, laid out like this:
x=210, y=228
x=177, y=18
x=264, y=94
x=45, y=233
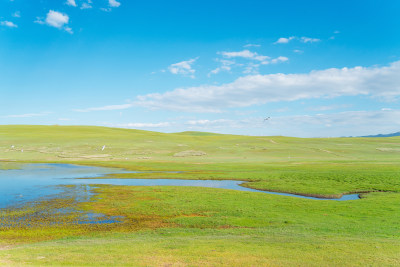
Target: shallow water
x=34, y=181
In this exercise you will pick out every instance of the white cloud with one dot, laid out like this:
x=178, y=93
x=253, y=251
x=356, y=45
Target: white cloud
x=184, y=67
x=260, y=89
x=8, y=24
x=28, y=115
x=69, y=30
x=256, y=60
x=309, y=40
x=279, y=59
x=114, y=3
x=71, y=3
x=284, y=40
x=87, y=5
x=56, y=19
x=251, y=68
x=244, y=54
x=252, y=45
x=39, y=20
x=226, y=65
x=106, y=108
x=219, y=69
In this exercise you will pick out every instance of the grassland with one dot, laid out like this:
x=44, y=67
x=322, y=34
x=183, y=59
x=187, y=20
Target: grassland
x=196, y=226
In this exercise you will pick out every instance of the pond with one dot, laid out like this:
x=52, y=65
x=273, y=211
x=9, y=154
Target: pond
x=34, y=181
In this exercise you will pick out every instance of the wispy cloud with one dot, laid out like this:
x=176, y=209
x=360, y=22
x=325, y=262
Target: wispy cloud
x=106, y=108
x=309, y=40
x=245, y=54
x=8, y=24
x=260, y=89
x=335, y=33
x=87, y=4
x=279, y=59
x=226, y=65
x=183, y=67
x=254, y=61
x=114, y=3
x=16, y=14
x=285, y=40
x=252, y=45
x=71, y=3
x=27, y=115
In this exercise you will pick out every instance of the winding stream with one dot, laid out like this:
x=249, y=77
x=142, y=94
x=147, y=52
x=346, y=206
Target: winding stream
x=34, y=181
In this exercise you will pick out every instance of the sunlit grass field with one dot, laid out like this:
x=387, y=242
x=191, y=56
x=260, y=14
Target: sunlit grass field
x=179, y=226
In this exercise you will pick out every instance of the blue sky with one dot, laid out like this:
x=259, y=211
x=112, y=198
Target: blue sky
x=316, y=68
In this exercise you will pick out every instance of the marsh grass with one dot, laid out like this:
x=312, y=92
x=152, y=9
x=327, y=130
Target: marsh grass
x=193, y=226
x=51, y=217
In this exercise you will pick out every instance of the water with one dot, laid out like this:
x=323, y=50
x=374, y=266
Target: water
x=223, y=184
x=35, y=181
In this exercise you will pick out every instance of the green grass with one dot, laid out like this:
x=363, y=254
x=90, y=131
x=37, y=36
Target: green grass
x=194, y=247
x=202, y=226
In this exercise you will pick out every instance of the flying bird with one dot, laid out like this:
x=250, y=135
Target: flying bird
x=267, y=118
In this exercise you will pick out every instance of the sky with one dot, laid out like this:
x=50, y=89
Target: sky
x=306, y=68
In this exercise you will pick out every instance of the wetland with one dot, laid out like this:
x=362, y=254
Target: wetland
x=36, y=181
x=139, y=204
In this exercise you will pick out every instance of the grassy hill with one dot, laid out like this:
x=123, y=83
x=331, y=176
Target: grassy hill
x=76, y=143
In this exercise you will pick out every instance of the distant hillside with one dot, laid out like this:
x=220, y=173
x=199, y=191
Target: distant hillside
x=198, y=133
x=384, y=135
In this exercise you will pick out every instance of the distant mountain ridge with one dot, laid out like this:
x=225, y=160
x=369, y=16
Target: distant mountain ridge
x=384, y=135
